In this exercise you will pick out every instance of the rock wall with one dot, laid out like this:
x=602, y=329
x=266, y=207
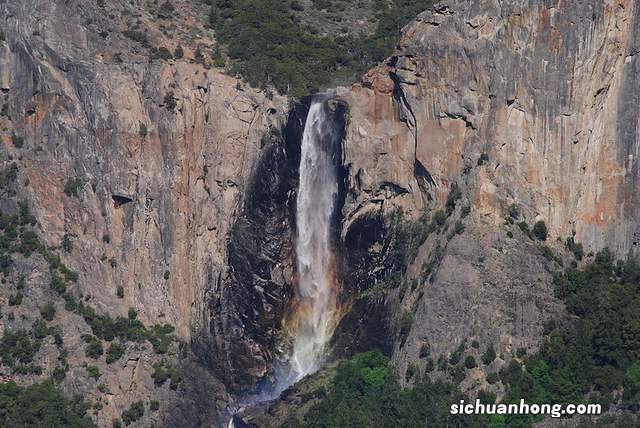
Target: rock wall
x=545, y=89
x=161, y=185
x=518, y=102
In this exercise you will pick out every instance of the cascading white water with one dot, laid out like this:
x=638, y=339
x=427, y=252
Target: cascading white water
x=314, y=310
x=316, y=289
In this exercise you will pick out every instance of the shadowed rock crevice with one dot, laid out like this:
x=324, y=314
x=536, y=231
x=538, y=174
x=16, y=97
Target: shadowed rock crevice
x=246, y=328
x=119, y=200
x=407, y=115
x=253, y=297
x=365, y=268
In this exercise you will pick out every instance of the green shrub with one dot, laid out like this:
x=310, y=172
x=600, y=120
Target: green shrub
x=540, y=230
x=443, y=363
x=40, y=330
x=137, y=36
x=93, y=372
x=456, y=355
x=547, y=253
x=470, y=362
x=126, y=329
x=51, y=258
x=489, y=355
x=120, y=291
x=575, y=248
x=142, y=130
x=18, y=346
x=9, y=175
x=406, y=322
x=160, y=53
x=73, y=186
x=114, y=352
x=94, y=347
x=59, y=374
x=492, y=378
x=58, y=284
x=133, y=413
x=411, y=371
x=160, y=337
x=66, y=244
x=166, y=10
x=69, y=275
x=29, y=243
x=425, y=350
x=154, y=405
x=17, y=141
x=524, y=227
x=48, y=311
x=430, y=366
x=24, y=213
x=439, y=218
x=15, y=299
x=5, y=263
x=170, y=102
x=219, y=62
x=57, y=338
x=296, y=5
x=161, y=374
x=452, y=198
x=178, y=53
x=28, y=370
x=457, y=374
x=486, y=397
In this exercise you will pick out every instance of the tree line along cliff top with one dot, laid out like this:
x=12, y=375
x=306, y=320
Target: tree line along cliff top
x=300, y=47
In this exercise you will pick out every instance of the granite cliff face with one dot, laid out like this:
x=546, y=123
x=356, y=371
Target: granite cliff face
x=161, y=185
x=519, y=103
x=188, y=177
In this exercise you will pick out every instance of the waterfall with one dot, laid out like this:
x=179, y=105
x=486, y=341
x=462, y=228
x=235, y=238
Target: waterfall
x=314, y=313
x=315, y=301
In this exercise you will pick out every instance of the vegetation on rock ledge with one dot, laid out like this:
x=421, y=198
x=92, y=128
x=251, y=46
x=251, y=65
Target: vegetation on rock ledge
x=270, y=47
x=594, y=358
x=33, y=405
x=365, y=393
